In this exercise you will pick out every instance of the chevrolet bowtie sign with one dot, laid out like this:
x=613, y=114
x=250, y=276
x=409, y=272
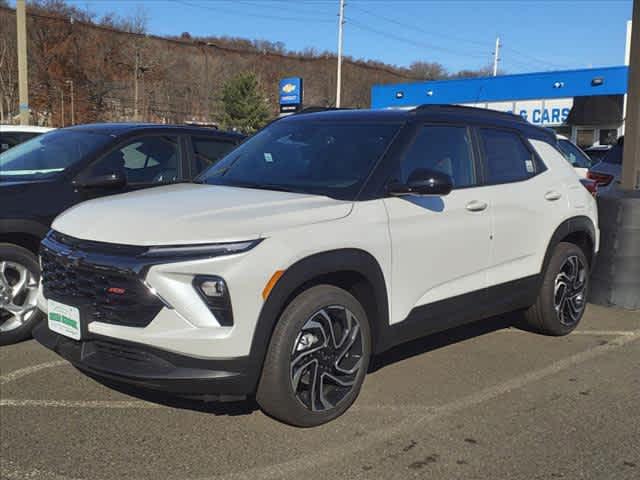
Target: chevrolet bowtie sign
x=290, y=93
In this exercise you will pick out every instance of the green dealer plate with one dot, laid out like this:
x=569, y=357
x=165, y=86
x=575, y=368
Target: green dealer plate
x=64, y=319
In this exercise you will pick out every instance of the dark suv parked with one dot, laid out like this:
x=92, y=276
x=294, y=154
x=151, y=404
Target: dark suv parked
x=48, y=174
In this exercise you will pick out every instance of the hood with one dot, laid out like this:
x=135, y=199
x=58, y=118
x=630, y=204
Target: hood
x=193, y=213
x=8, y=182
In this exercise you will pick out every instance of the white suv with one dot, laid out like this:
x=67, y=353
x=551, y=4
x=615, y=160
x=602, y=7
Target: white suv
x=326, y=238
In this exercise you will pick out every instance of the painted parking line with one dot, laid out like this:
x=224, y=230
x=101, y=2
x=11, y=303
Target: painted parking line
x=415, y=417
x=412, y=422
x=595, y=333
x=117, y=404
x=22, y=372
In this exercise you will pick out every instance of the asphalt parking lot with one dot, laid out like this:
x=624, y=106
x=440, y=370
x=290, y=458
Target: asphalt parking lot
x=485, y=401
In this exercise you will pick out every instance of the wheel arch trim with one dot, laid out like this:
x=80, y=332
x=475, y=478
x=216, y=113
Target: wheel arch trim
x=306, y=270
x=579, y=224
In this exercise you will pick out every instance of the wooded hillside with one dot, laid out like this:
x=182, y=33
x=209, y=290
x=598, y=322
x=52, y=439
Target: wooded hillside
x=178, y=79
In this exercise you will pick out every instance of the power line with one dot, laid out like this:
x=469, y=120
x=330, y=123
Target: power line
x=415, y=43
x=268, y=4
x=532, y=58
x=419, y=29
x=454, y=38
x=244, y=13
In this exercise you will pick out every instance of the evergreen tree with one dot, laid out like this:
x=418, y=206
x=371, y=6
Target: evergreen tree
x=243, y=104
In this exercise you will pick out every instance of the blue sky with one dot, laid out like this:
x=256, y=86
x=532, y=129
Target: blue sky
x=536, y=34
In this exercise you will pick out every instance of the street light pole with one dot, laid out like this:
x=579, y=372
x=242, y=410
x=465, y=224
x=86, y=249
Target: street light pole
x=23, y=77
x=631, y=153
x=73, y=110
x=496, y=57
x=339, y=76
x=135, y=85
x=62, y=107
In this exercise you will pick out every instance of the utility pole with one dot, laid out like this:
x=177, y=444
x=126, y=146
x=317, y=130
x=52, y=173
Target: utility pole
x=206, y=84
x=62, y=107
x=627, y=58
x=73, y=109
x=135, y=85
x=205, y=45
x=615, y=280
x=339, y=76
x=631, y=153
x=23, y=77
x=496, y=57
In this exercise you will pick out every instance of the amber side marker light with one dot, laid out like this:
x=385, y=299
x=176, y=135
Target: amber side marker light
x=271, y=283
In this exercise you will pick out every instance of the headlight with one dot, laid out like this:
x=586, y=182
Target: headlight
x=203, y=250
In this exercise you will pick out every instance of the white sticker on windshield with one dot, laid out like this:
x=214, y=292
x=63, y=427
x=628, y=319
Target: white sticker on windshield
x=529, y=165
x=268, y=157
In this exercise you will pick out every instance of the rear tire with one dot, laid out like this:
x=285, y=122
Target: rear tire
x=563, y=295
x=19, y=277
x=311, y=376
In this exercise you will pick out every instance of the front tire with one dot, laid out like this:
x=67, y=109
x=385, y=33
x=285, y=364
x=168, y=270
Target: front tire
x=19, y=277
x=317, y=358
x=563, y=295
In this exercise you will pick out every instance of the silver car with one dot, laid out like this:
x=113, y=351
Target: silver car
x=607, y=173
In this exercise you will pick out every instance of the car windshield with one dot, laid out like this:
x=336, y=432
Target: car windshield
x=572, y=153
x=49, y=154
x=305, y=156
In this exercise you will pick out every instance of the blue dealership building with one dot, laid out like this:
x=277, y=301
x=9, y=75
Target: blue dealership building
x=585, y=105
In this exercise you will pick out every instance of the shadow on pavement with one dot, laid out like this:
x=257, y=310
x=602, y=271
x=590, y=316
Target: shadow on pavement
x=231, y=408
x=441, y=339
x=396, y=354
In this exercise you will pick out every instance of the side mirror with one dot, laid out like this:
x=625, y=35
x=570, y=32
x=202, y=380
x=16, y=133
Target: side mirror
x=109, y=180
x=423, y=182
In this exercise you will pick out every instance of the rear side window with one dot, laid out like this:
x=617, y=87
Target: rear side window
x=207, y=151
x=7, y=141
x=151, y=159
x=507, y=159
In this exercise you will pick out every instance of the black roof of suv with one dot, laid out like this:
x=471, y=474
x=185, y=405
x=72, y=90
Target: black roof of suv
x=431, y=113
x=119, y=129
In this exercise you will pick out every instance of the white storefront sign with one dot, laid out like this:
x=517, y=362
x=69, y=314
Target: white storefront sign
x=547, y=113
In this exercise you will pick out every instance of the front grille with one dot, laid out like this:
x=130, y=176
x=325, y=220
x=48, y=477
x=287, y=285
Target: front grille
x=87, y=286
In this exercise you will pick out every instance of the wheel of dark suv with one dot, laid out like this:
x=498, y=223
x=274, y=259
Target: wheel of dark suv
x=562, y=298
x=19, y=276
x=317, y=358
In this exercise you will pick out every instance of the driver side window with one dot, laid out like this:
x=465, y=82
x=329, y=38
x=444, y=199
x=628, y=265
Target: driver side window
x=152, y=159
x=445, y=149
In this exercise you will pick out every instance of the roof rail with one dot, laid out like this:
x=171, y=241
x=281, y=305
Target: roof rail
x=468, y=110
x=313, y=109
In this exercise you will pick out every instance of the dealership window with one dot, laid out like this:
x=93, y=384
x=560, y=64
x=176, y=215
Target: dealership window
x=608, y=136
x=565, y=131
x=585, y=137
x=507, y=159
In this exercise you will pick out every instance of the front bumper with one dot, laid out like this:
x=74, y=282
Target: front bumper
x=151, y=368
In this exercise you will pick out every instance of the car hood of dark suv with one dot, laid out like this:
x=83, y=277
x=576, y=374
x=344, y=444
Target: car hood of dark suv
x=7, y=182
x=191, y=213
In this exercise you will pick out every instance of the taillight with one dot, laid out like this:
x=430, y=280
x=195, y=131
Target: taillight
x=602, y=179
x=590, y=185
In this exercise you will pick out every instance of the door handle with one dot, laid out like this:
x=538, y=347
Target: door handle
x=552, y=195
x=476, y=206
